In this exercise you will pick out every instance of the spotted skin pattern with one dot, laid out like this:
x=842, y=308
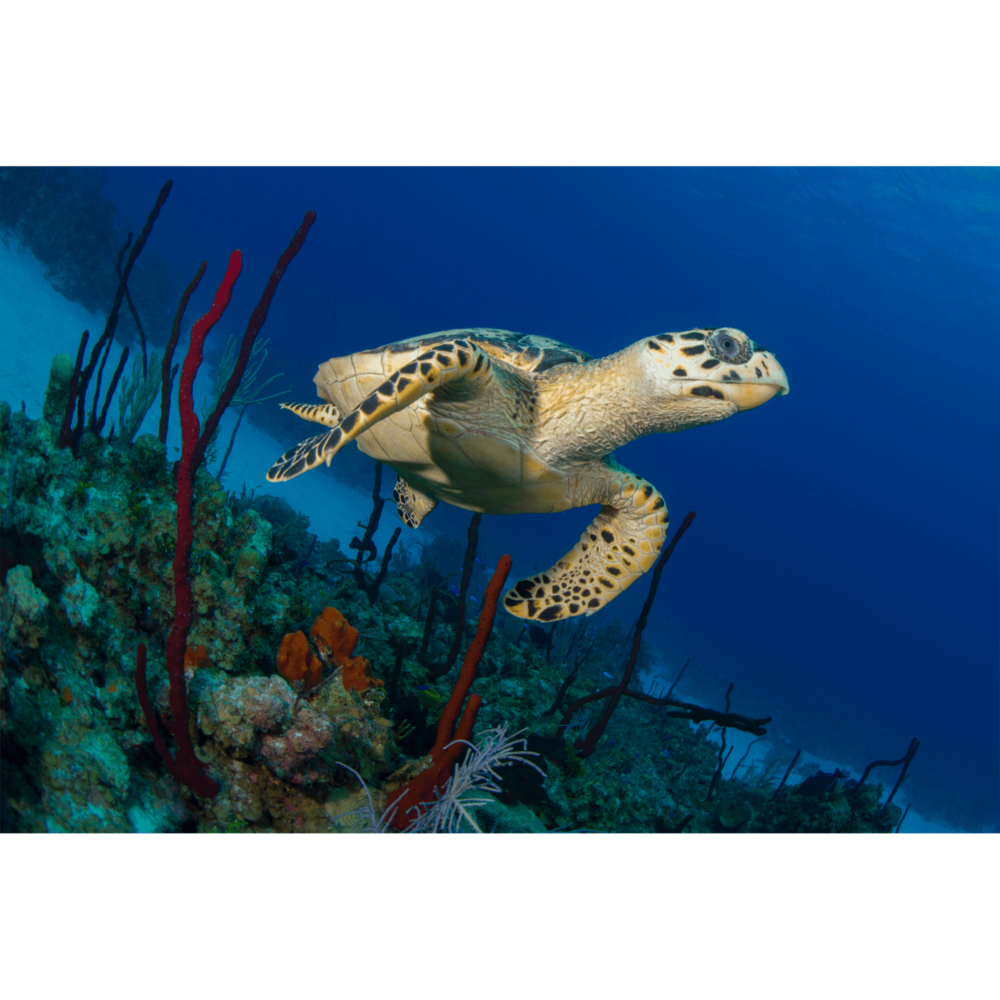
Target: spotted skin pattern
x=618, y=546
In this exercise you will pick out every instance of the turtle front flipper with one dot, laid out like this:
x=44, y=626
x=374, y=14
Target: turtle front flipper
x=413, y=504
x=439, y=364
x=619, y=545
x=318, y=413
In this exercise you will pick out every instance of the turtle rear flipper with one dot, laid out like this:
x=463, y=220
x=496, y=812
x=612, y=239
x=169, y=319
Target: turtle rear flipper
x=618, y=546
x=439, y=364
x=413, y=504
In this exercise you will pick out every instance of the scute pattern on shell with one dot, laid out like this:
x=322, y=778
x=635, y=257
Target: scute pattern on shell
x=526, y=351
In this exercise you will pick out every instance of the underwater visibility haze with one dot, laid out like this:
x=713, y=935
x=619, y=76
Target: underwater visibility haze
x=831, y=610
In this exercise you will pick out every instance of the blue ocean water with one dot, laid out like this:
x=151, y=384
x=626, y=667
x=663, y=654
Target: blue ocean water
x=843, y=567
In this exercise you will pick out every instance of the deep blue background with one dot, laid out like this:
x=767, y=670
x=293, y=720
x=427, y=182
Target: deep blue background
x=843, y=569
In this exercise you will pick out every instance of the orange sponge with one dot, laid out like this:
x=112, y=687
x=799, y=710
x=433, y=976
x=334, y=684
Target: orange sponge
x=335, y=639
x=196, y=656
x=297, y=662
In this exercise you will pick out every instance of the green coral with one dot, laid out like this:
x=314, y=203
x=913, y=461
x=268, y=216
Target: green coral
x=57, y=391
x=573, y=765
x=734, y=813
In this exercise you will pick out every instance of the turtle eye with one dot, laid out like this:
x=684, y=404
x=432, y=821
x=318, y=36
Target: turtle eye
x=729, y=345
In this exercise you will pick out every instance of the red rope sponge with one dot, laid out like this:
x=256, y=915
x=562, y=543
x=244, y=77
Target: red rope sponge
x=185, y=767
x=419, y=792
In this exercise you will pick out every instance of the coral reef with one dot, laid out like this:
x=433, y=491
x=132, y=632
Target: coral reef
x=173, y=658
x=92, y=540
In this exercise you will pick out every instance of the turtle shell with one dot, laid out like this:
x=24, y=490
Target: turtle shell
x=524, y=351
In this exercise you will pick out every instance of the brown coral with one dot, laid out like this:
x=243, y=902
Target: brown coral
x=297, y=662
x=335, y=639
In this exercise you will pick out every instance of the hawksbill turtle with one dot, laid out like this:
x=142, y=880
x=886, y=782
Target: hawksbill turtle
x=509, y=423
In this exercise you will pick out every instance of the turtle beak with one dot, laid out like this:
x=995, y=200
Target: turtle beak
x=747, y=395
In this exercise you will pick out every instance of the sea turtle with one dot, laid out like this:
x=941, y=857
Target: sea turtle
x=509, y=423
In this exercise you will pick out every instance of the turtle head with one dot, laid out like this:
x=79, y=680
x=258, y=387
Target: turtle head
x=702, y=376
